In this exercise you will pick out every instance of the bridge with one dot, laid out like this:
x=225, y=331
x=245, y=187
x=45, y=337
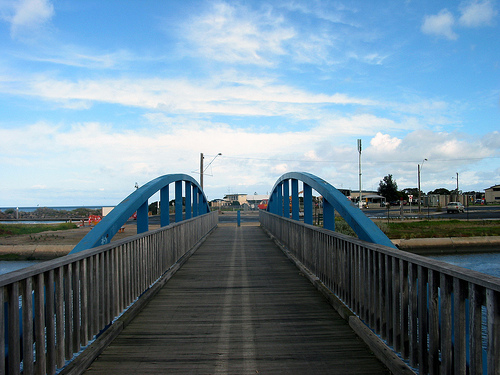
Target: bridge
x=239, y=305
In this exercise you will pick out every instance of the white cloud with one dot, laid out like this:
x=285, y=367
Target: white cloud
x=237, y=34
x=384, y=142
x=477, y=13
x=440, y=24
x=27, y=16
x=243, y=98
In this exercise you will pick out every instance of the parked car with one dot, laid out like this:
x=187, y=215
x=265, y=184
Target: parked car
x=454, y=207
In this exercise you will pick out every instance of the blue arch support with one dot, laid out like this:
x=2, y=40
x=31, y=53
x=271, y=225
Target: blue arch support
x=332, y=200
x=138, y=201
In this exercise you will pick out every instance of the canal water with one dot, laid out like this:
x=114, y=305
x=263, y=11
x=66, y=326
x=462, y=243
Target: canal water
x=488, y=263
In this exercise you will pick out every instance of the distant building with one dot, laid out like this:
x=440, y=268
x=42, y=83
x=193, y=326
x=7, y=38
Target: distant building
x=230, y=198
x=492, y=194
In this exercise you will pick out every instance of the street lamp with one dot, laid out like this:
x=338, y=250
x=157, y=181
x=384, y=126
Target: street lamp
x=202, y=170
x=419, y=168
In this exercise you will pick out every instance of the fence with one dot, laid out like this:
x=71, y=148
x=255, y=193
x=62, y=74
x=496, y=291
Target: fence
x=55, y=308
x=440, y=318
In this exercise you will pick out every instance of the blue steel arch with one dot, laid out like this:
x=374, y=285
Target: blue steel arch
x=138, y=201
x=332, y=200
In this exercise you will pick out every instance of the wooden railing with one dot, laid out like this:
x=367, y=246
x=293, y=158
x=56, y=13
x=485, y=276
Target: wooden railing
x=55, y=308
x=440, y=318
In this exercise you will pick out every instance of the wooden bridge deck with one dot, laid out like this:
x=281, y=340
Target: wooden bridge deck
x=238, y=306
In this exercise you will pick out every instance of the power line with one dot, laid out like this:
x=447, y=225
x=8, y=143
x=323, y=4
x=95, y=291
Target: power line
x=354, y=162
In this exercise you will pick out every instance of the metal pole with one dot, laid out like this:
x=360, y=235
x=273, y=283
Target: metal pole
x=359, y=162
x=419, y=195
x=201, y=170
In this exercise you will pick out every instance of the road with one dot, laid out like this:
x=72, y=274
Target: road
x=471, y=213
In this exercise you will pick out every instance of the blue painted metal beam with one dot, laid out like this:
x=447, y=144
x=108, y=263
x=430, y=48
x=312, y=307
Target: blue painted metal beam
x=308, y=204
x=195, y=201
x=365, y=228
x=164, y=206
x=295, y=199
x=187, y=193
x=142, y=218
x=178, y=201
x=111, y=223
x=286, y=198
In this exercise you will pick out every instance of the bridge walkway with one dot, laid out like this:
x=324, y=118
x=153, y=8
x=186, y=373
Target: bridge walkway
x=238, y=306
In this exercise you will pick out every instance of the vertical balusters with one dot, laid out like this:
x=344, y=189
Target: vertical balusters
x=389, y=333
x=68, y=304
x=404, y=301
x=2, y=331
x=423, y=354
x=84, y=302
x=396, y=310
x=27, y=319
x=59, y=306
x=14, y=320
x=476, y=297
x=460, y=293
x=413, y=314
x=76, y=307
x=50, y=329
x=446, y=284
x=433, y=322
x=493, y=321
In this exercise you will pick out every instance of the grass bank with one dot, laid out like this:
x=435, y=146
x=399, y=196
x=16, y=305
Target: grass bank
x=440, y=229
x=429, y=228
x=19, y=229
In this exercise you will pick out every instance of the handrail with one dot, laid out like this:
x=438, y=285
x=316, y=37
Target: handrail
x=332, y=200
x=430, y=312
x=55, y=308
x=138, y=202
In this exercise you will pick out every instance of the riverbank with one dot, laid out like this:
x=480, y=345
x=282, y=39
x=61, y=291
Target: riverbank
x=54, y=244
x=449, y=245
x=50, y=245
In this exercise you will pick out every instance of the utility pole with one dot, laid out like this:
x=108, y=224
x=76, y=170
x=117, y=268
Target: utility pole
x=201, y=170
x=359, y=162
x=419, y=166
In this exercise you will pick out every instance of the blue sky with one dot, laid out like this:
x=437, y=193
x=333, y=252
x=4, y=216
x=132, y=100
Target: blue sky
x=98, y=95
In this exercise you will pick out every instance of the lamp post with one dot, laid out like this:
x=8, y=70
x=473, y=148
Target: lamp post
x=359, y=163
x=202, y=170
x=419, y=169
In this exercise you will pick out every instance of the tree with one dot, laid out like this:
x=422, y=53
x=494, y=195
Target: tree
x=388, y=188
x=410, y=191
x=440, y=191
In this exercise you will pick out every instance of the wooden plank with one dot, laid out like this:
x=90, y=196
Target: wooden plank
x=41, y=360
x=475, y=319
x=446, y=284
x=493, y=319
x=433, y=306
x=459, y=326
x=27, y=318
x=237, y=306
x=14, y=331
x=50, y=326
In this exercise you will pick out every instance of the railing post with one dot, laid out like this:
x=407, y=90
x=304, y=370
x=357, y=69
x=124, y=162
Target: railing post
x=178, y=201
x=142, y=218
x=308, y=208
x=164, y=206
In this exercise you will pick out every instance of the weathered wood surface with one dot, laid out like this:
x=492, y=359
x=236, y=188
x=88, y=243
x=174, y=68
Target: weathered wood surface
x=238, y=306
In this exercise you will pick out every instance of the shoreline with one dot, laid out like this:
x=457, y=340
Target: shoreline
x=19, y=249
